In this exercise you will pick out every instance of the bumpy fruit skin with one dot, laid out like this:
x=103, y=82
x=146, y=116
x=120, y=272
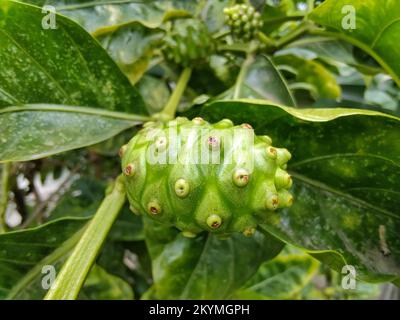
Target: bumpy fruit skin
x=188, y=42
x=243, y=20
x=188, y=174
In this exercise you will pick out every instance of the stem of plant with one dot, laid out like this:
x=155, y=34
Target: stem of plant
x=172, y=104
x=5, y=185
x=73, y=273
x=303, y=28
x=242, y=74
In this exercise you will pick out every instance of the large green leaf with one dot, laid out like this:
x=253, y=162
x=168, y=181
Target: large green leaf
x=332, y=51
x=263, y=81
x=101, y=285
x=103, y=16
x=204, y=267
x=132, y=48
x=37, y=131
x=24, y=253
x=63, y=66
x=281, y=278
x=312, y=73
x=377, y=29
x=346, y=170
x=82, y=200
x=155, y=92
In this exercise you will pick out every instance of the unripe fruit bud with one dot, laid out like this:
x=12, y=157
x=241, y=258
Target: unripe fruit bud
x=154, y=208
x=122, y=150
x=272, y=201
x=214, y=221
x=241, y=177
x=244, y=21
x=182, y=188
x=129, y=170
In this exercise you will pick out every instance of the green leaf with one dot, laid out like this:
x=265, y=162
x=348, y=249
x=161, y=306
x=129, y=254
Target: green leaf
x=204, y=267
x=155, y=92
x=212, y=13
x=263, y=81
x=100, y=285
x=104, y=16
x=346, y=170
x=37, y=131
x=274, y=16
x=24, y=253
x=377, y=28
x=281, y=278
x=312, y=73
x=132, y=48
x=61, y=66
x=332, y=51
x=82, y=200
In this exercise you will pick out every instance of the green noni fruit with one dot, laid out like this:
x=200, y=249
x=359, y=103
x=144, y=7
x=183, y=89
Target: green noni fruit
x=199, y=176
x=243, y=20
x=188, y=42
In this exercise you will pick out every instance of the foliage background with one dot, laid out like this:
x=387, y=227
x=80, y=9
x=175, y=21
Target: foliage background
x=75, y=89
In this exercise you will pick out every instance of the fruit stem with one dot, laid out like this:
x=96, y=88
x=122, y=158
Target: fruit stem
x=5, y=185
x=73, y=273
x=242, y=75
x=170, y=108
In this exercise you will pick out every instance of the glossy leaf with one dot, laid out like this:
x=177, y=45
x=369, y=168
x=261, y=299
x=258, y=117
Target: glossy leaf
x=104, y=16
x=346, y=174
x=204, y=267
x=375, y=29
x=263, y=81
x=313, y=73
x=132, y=48
x=155, y=92
x=82, y=200
x=100, y=285
x=332, y=51
x=275, y=15
x=212, y=13
x=281, y=278
x=23, y=252
x=37, y=131
x=62, y=66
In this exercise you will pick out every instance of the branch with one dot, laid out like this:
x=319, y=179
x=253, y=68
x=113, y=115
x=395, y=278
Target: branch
x=242, y=75
x=4, y=194
x=170, y=108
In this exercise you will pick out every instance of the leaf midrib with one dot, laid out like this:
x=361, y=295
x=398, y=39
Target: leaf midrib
x=76, y=109
x=342, y=155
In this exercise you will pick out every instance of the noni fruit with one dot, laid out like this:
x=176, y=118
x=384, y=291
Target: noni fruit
x=199, y=176
x=188, y=42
